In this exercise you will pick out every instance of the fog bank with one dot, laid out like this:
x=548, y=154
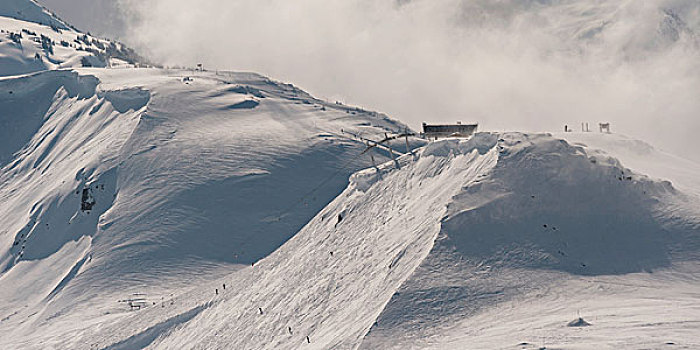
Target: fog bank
x=509, y=65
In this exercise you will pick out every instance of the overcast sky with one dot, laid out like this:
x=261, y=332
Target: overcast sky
x=530, y=65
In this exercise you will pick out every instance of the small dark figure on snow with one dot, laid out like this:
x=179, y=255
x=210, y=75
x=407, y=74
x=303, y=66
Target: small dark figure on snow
x=260, y=309
x=308, y=340
x=224, y=285
x=216, y=290
x=340, y=218
x=290, y=330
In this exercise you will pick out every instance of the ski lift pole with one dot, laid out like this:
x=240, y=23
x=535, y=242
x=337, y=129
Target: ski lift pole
x=408, y=147
x=393, y=157
x=371, y=156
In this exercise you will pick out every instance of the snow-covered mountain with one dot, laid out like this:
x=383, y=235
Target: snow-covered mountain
x=32, y=39
x=133, y=180
x=122, y=180
x=181, y=209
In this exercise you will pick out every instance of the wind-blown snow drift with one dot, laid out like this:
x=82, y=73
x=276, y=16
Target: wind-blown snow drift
x=548, y=221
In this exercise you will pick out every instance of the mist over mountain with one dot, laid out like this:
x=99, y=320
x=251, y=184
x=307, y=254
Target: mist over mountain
x=632, y=63
x=513, y=65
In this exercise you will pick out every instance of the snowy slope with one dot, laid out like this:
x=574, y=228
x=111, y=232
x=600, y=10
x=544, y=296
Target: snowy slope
x=122, y=181
x=130, y=180
x=555, y=230
x=491, y=197
x=494, y=242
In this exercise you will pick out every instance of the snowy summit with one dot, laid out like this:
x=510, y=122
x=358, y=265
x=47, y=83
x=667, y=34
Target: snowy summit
x=192, y=209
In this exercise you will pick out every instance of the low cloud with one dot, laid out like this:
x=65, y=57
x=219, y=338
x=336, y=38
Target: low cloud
x=510, y=64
